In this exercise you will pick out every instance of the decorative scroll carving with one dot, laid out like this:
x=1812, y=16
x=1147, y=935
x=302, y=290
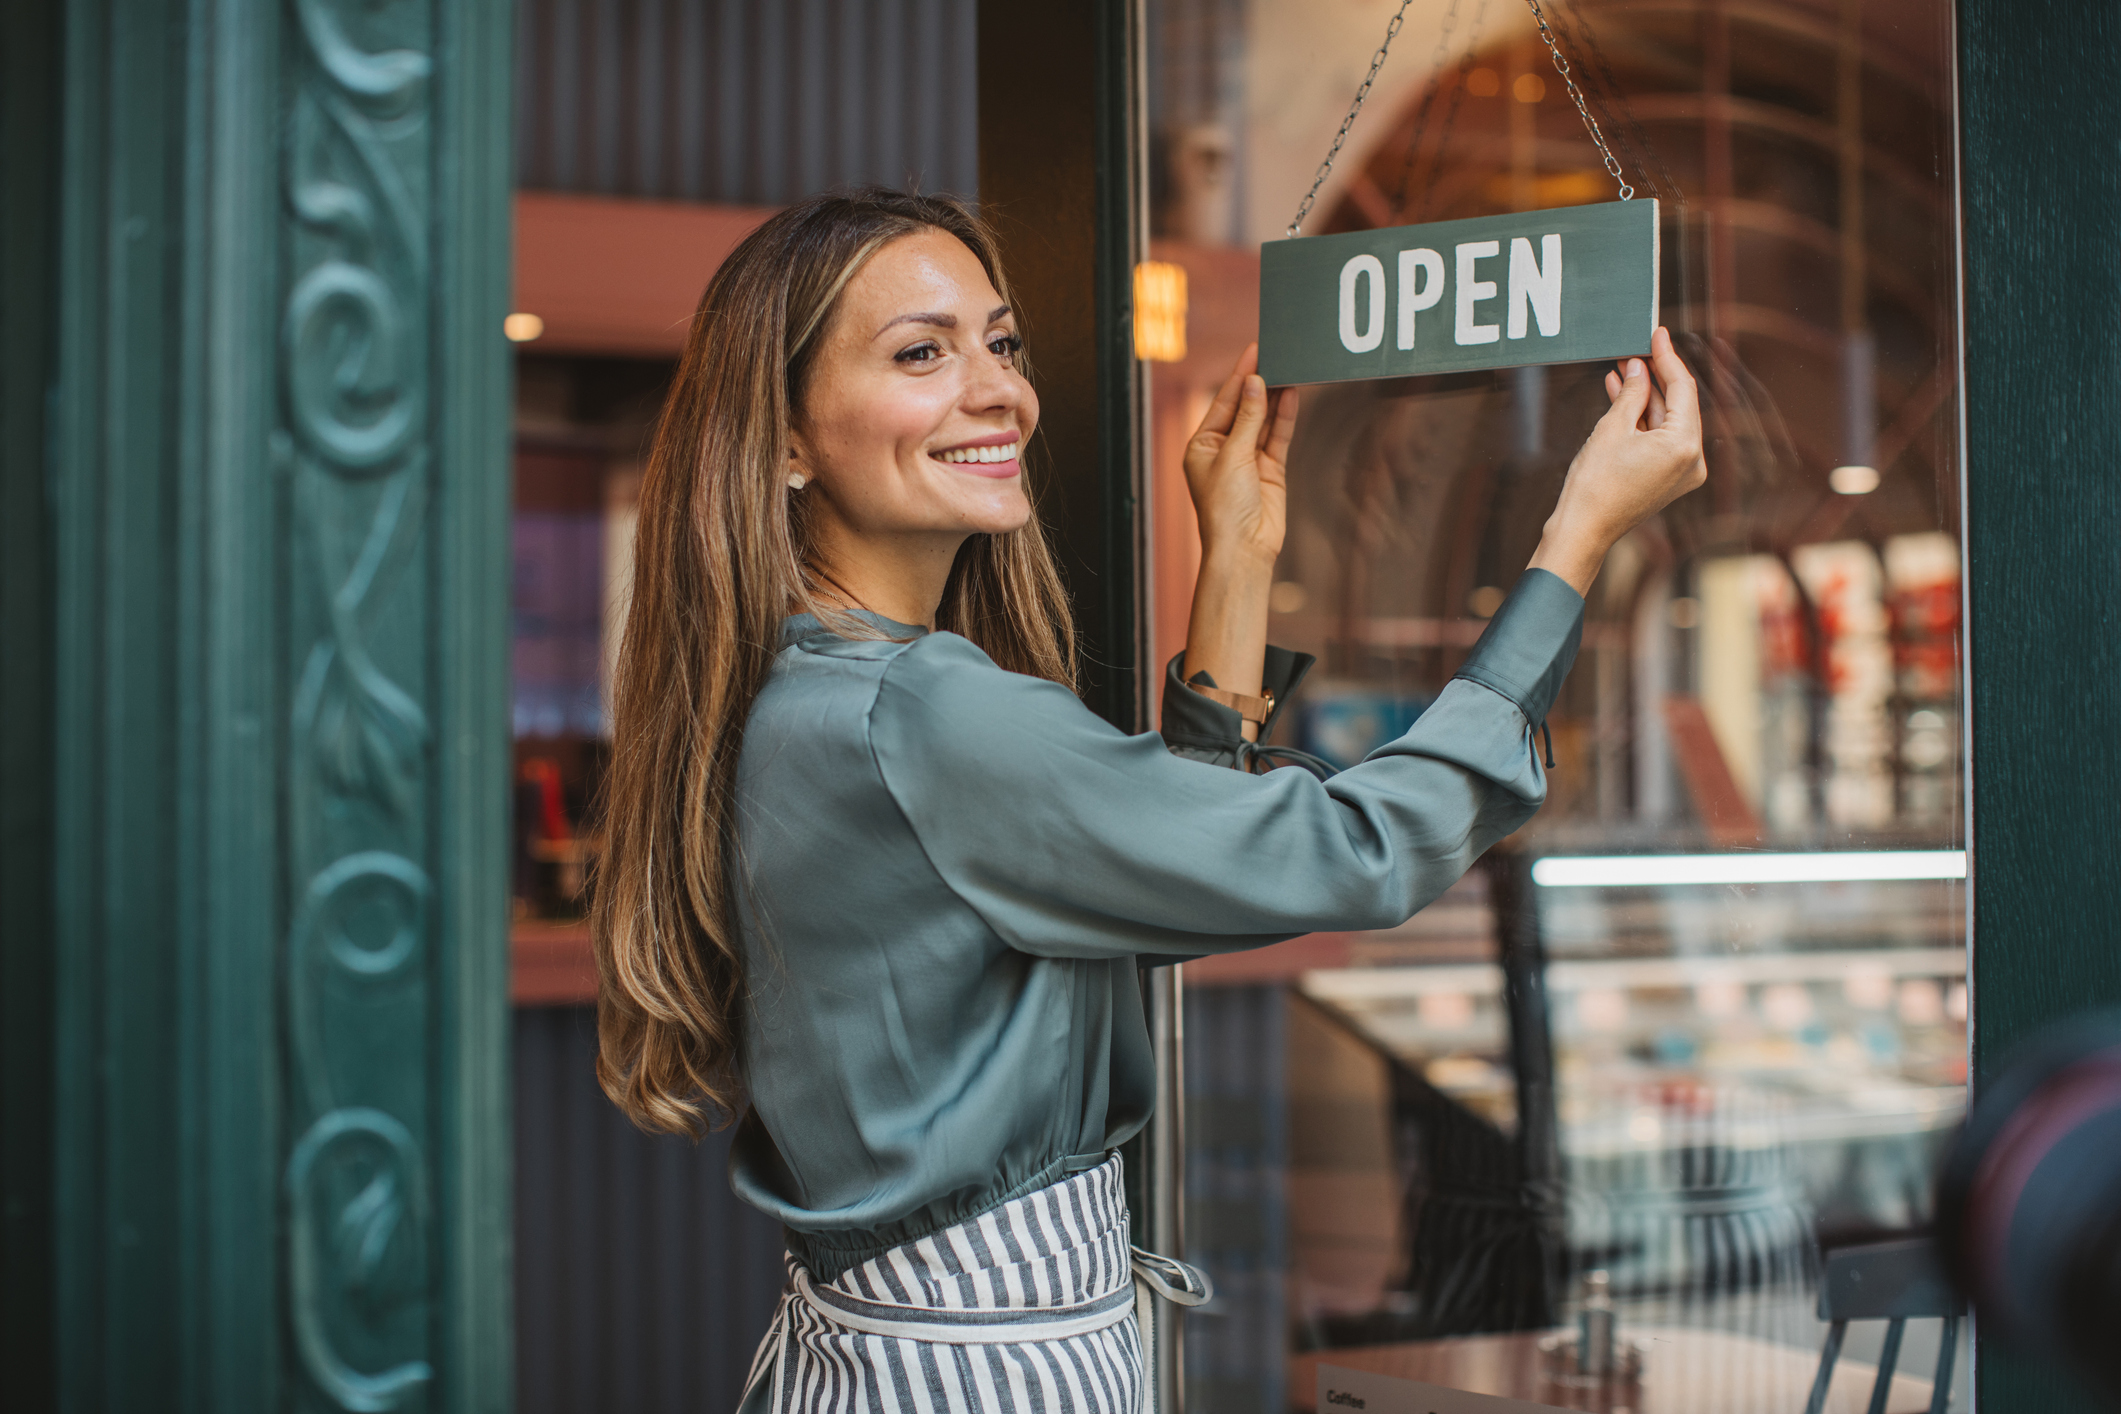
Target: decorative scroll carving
x=359, y=172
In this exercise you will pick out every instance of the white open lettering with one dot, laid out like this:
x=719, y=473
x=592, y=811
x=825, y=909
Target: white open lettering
x=1471, y=292
x=1535, y=284
x=1370, y=337
x=1411, y=299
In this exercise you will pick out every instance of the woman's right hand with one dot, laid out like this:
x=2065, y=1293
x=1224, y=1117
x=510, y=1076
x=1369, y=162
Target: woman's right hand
x=1237, y=467
x=1644, y=454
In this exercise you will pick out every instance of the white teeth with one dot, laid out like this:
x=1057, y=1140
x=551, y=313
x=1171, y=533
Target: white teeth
x=1003, y=453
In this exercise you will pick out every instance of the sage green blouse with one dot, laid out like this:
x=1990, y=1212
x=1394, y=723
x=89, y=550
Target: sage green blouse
x=948, y=874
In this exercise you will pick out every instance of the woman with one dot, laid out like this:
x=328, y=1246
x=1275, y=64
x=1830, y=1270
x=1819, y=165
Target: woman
x=876, y=878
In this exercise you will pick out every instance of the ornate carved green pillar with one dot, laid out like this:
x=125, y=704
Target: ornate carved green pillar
x=275, y=506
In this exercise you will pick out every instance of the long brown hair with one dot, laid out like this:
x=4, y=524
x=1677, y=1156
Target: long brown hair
x=721, y=554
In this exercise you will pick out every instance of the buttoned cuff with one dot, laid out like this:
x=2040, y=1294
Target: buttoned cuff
x=1195, y=727
x=1530, y=644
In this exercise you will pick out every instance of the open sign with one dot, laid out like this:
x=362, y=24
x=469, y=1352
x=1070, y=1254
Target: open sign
x=1491, y=292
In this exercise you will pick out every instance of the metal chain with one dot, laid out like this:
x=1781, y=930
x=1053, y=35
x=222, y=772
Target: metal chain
x=1362, y=94
x=1561, y=66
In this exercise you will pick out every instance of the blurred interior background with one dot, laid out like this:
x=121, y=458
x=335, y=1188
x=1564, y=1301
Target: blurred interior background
x=1424, y=1140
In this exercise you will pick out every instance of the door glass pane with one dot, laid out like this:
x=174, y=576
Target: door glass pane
x=1670, y=1084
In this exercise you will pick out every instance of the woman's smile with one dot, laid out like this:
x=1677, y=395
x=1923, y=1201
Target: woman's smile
x=994, y=456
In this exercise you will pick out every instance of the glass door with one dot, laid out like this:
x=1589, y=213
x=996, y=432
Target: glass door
x=1705, y=1018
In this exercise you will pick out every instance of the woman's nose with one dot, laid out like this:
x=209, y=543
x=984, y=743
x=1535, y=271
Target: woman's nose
x=995, y=386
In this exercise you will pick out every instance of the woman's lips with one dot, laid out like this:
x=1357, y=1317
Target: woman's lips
x=995, y=457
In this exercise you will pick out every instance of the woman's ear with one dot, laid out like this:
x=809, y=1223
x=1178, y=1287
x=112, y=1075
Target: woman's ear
x=797, y=477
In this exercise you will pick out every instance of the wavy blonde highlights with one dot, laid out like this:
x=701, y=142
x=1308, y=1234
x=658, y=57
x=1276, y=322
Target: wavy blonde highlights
x=721, y=556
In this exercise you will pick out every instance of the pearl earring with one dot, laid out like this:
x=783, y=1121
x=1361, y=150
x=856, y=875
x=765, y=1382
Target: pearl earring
x=797, y=481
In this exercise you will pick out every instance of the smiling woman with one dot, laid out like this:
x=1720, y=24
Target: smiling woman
x=872, y=867
x=913, y=434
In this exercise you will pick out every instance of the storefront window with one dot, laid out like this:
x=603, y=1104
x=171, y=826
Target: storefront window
x=582, y=426
x=1705, y=1018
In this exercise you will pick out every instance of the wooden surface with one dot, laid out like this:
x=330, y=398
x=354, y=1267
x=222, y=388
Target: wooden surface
x=550, y=963
x=1684, y=1372
x=2040, y=225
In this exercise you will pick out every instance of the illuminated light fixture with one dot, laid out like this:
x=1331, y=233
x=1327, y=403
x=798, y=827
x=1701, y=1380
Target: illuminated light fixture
x=1159, y=311
x=522, y=328
x=1641, y=871
x=1853, y=480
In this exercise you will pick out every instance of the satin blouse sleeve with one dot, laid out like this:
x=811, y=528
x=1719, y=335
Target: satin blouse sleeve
x=1071, y=839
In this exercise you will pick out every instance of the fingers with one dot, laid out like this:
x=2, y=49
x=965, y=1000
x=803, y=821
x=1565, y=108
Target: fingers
x=1251, y=417
x=1612, y=387
x=1220, y=412
x=1653, y=415
x=1634, y=396
x=1282, y=428
x=1681, y=398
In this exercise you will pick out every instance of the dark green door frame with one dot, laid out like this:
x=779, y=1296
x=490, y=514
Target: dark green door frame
x=2040, y=142
x=256, y=469
x=29, y=245
x=1062, y=178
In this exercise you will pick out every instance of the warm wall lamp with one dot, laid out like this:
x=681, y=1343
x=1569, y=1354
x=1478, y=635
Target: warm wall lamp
x=1159, y=311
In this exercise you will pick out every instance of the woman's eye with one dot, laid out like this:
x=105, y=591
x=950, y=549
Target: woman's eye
x=919, y=353
x=1005, y=346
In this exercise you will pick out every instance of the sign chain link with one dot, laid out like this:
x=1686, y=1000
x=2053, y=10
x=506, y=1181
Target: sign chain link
x=1561, y=66
x=1325, y=168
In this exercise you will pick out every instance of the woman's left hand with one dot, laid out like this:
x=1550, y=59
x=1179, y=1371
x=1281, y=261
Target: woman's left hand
x=1237, y=466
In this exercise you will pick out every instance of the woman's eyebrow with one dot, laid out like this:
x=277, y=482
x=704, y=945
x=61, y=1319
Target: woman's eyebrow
x=940, y=321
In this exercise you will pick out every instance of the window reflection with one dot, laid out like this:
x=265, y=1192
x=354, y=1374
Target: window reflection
x=1670, y=1094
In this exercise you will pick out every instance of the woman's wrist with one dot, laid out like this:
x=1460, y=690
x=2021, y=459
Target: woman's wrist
x=1237, y=556
x=1227, y=636
x=1571, y=555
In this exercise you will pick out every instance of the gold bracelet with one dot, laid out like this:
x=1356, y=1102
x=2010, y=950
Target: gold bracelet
x=1255, y=710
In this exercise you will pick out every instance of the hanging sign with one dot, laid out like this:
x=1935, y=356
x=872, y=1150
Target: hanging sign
x=1491, y=292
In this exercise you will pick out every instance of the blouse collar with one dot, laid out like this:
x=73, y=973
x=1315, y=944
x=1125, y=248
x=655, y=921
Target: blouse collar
x=799, y=628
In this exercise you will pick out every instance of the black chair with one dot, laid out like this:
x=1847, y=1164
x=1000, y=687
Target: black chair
x=1886, y=1281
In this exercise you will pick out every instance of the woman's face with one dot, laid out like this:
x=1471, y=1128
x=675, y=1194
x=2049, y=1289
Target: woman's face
x=915, y=413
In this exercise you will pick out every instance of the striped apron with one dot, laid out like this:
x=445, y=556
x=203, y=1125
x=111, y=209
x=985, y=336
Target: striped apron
x=1039, y=1306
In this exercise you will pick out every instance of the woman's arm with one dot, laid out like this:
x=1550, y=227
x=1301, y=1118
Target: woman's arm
x=1237, y=474
x=1644, y=453
x=1070, y=839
